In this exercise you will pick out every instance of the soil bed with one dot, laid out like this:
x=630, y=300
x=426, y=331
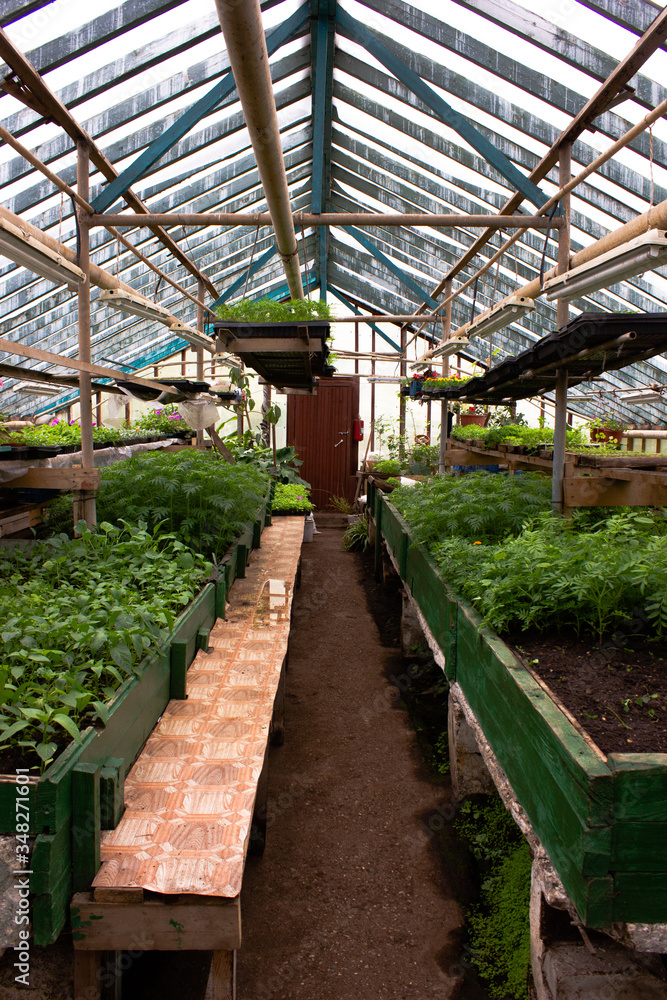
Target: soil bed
x=609, y=690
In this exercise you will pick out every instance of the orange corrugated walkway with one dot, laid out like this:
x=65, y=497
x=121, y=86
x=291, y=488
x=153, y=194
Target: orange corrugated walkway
x=189, y=797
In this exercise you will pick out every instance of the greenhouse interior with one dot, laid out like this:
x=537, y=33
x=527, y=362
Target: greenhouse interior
x=333, y=500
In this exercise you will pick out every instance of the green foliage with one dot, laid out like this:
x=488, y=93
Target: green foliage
x=606, y=423
x=341, y=504
x=77, y=616
x=515, y=434
x=190, y=493
x=59, y=432
x=479, y=506
x=499, y=926
x=561, y=574
x=446, y=382
x=356, y=536
x=249, y=451
x=268, y=311
x=389, y=466
x=292, y=498
x=386, y=430
x=166, y=420
x=422, y=460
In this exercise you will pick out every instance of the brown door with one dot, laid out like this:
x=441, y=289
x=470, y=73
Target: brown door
x=321, y=429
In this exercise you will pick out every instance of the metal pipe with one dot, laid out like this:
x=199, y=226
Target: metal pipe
x=436, y=221
x=564, y=178
x=84, y=504
x=444, y=404
x=241, y=24
x=562, y=316
x=201, y=290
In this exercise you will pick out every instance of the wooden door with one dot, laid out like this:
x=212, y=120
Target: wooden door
x=320, y=428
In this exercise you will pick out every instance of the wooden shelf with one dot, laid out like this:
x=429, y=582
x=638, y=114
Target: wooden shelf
x=590, y=480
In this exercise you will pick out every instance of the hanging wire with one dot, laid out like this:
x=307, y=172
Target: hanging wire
x=305, y=258
x=252, y=257
x=650, y=135
x=546, y=241
x=60, y=228
x=78, y=230
x=474, y=298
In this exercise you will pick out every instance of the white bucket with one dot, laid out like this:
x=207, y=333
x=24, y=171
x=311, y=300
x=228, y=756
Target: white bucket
x=309, y=528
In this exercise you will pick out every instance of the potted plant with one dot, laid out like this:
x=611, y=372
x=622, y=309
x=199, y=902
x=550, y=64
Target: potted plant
x=606, y=430
x=473, y=415
x=437, y=382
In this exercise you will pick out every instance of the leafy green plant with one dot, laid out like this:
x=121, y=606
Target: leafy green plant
x=356, y=536
x=389, y=439
x=498, y=925
x=60, y=432
x=560, y=574
x=479, y=506
x=252, y=453
x=530, y=437
x=190, y=493
x=388, y=466
x=341, y=504
x=446, y=382
x=268, y=311
x=606, y=423
x=165, y=420
x=422, y=459
x=77, y=617
x=292, y=498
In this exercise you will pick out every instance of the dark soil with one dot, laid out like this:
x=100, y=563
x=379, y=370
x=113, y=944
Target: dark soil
x=618, y=694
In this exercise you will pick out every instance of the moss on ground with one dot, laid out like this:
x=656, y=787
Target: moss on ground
x=499, y=924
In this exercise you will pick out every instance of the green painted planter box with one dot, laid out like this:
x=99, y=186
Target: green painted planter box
x=81, y=793
x=602, y=819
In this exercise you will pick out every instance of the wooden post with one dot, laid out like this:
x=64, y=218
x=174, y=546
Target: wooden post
x=356, y=348
x=401, y=403
x=84, y=506
x=562, y=316
x=444, y=405
x=372, y=439
x=201, y=291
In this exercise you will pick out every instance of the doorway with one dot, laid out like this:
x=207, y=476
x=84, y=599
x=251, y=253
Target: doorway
x=321, y=429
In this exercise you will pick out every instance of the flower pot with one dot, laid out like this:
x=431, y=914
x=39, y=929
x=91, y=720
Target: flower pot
x=605, y=435
x=473, y=418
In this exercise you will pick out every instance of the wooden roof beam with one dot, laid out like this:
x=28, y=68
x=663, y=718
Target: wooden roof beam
x=58, y=113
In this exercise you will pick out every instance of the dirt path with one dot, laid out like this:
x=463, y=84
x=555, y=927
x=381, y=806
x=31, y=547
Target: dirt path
x=349, y=899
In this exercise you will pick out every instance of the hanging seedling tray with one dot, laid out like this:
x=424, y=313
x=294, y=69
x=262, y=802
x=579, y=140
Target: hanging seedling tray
x=285, y=354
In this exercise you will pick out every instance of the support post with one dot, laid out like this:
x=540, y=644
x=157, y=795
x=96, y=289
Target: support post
x=372, y=390
x=201, y=291
x=562, y=316
x=84, y=506
x=401, y=403
x=444, y=405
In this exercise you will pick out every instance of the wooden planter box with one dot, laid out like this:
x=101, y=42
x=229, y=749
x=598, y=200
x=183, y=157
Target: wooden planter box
x=81, y=792
x=602, y=819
